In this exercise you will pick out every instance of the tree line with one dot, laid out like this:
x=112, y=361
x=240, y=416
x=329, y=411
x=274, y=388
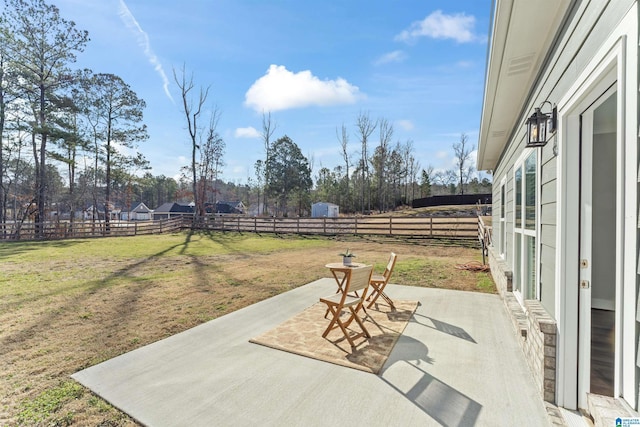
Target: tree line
x=55, y=119
x=69, y=142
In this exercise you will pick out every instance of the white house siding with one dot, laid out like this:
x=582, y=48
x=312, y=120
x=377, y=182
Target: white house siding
x=592, y=23
x=589, y=25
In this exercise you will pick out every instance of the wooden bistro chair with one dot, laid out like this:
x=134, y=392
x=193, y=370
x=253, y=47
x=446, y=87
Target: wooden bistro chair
x=379, y=282
x=352, y=298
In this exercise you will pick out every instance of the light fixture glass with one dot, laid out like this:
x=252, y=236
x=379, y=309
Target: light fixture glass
x=539, y=125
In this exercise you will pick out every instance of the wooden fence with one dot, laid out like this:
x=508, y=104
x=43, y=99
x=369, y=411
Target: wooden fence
x=424, y=227
x=484, y=237
x=78, y=229
x=458, y=228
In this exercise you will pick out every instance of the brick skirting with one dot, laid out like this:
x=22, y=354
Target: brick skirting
x=536, y=330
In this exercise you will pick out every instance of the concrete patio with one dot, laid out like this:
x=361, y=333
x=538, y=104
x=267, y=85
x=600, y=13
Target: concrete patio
x=457, y=364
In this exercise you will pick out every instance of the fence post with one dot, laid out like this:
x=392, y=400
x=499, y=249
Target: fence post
x=255, y=224
x=430, y=226
x=298, y=225
x=355, y=228
x=238, y=224
x=390, y=225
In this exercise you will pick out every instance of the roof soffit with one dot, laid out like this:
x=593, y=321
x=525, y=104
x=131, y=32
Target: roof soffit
x=522, y=34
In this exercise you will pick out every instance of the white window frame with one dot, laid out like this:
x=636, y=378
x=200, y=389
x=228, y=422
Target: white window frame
x=520, y=285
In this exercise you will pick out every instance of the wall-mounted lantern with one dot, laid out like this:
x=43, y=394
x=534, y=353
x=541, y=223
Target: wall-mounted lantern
x=540, y=126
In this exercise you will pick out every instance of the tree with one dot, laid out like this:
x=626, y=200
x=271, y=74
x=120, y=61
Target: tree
x=380, y=161
x=426, y=178
x=343, y=138
x=365, y=127
x=42, y=46
x=120, y=112
x=7, y=85
x=259, y=168
x=289, y=172
x=267, y=132
x=71, y=142
x=463, y=159
x=211, y=157
x=192, y=109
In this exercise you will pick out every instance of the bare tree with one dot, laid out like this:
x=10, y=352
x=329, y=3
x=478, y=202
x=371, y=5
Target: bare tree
x=365, y=128
x=211, y=157
x=192, y=109
x=268, y=129
x=463, y=159
x=380, y=160
x=343, y=138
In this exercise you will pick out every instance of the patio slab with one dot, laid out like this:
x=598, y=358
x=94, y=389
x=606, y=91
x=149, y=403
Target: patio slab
x=457, y=364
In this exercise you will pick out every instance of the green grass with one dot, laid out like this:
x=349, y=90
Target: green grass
x=195, y=244
x=48, y=402
x=79, y=265
x=485, y=283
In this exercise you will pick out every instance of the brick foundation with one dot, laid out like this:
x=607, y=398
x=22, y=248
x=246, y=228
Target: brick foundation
x=536, y=330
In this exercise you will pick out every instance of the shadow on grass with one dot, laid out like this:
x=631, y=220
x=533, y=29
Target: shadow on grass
x=12, y=248
x=124, y=307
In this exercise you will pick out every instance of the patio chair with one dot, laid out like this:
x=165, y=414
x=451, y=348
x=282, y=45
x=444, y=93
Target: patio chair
x=352, y=298
x=379, y=282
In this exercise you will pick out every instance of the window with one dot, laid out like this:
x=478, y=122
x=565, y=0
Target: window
x=525, y=284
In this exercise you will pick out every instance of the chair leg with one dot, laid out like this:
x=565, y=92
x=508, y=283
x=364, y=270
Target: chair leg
x=387, y=299
x=379, y=292
x=344, y=325
x=332, y=323
x=360, y=322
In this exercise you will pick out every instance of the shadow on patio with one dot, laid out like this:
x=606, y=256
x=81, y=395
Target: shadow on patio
x=456, y=364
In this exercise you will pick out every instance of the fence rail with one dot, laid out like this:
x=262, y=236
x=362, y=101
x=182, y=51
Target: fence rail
x=426, y=227
x=69, y=230
x=462, y=228
x=484, y=237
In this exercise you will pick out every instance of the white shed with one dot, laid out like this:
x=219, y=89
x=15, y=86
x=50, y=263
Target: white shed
x=322, y=209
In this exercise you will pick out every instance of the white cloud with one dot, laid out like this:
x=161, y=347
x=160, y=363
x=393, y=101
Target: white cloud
x=281, y=89
x=405, y=124
x=438, y=25
x=395, y=56
x=143, y=40
x=248, y=132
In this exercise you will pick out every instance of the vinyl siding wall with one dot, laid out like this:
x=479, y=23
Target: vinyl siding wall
x=590, y=24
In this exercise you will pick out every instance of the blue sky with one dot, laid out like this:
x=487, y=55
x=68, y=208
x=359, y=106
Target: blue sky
x=314, y=65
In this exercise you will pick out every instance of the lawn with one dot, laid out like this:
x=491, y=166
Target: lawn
x=67, y=305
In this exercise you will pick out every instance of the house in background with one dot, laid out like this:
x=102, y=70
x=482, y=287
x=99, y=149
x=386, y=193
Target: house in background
x=140, y=213
x=172, y=210
x=565, y=193
x=93, y=213
x=235, y=207
x=323, y=209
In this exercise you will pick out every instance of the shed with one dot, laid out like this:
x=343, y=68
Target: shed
x=323, y=209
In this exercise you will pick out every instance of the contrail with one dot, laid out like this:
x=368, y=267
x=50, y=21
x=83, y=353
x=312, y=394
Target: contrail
x=143, y=40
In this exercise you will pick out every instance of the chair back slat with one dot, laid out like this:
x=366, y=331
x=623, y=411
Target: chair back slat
x=390, y=265
x=359, y=278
